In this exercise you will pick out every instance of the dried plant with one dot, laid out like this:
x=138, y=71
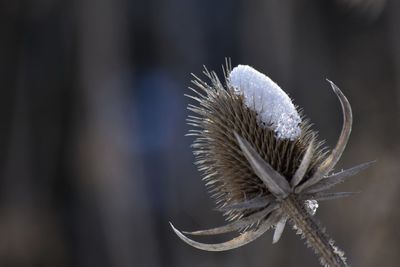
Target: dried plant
x=262, y=162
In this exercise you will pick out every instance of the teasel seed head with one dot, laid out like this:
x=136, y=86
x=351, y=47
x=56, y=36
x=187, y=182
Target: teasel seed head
x=256, y=151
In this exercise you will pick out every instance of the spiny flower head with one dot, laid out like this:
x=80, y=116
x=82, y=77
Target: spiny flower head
x=256, y=152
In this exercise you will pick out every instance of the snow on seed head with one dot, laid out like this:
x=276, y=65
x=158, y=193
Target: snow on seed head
x=273, y=106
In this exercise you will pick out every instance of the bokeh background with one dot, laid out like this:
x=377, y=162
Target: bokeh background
x=93, y=158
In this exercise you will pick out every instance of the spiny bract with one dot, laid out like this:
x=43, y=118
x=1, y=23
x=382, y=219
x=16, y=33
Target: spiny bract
x=250, y=171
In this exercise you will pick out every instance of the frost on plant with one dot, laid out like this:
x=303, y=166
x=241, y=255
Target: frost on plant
x=272, y=105
x=311, y=206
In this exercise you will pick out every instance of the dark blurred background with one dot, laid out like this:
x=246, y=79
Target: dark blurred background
x=93, y=158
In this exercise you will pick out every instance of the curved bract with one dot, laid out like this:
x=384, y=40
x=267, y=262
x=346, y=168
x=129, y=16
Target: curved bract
x=330, y=162
x=236, y=242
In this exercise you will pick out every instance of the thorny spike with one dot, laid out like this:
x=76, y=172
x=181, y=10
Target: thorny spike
x=227, y=68
x=328, y=195
x=257, y=202
x=336, y=178
x=237, y=225
x=280, y=226
x=274, y=181
x=335, y=155
x=305, y=163
x=234, y=226
x=236, y=242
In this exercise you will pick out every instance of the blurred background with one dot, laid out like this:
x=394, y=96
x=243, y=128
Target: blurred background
x=93, y=158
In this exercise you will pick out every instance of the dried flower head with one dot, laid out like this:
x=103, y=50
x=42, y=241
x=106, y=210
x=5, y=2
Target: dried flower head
x=262, y=162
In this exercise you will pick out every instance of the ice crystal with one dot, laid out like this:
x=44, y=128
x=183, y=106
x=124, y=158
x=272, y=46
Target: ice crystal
x=311, y=206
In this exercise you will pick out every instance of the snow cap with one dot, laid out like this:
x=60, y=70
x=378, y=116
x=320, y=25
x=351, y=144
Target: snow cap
x=273, y=106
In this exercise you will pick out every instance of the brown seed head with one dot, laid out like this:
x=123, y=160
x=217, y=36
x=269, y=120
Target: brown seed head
x=228, y=175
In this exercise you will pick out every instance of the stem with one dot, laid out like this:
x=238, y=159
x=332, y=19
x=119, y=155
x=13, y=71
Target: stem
x=315, y=236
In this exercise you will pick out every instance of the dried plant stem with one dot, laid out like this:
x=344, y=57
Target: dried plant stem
x=315, y=236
